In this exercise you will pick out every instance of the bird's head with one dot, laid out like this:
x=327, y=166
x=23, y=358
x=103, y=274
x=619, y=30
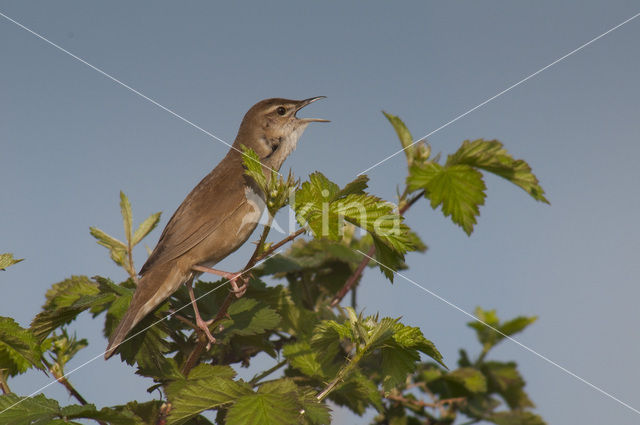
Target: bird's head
x=272, y=129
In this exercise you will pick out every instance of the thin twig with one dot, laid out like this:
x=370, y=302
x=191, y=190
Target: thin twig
x=348, y=285
x=421, y=403
x=254, y=381
x=275, y=246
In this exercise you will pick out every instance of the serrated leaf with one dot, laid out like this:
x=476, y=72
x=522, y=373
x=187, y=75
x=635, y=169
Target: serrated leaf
x=356, y=187
x=410, y=337
x=106, y=240
x=403, y=133
x=208, y=387
x=516, y=325
x=68, y=291
x=357, y=393
x=127, y=216
x=145, y=413
x=328, y=333
x=401, y=354
x=308, y=361
x=37, y=410
x=65, y=301
x=264, y=409
x=491, y=156
x=326, y=210
x=504, y=379
x=89, y=411
x=254, y=168
x=146, y=227
x=7, y=260
x=19, y=348
x=460, y=190
x=472, y=379
x=490, y=337
x=250, y=317
x=313, y=411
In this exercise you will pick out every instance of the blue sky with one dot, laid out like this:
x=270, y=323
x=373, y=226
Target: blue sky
x=71, y=139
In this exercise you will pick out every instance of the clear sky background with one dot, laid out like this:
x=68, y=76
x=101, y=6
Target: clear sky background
x=71, y=139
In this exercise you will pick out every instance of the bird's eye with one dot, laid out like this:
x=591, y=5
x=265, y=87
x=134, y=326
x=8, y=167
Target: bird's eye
x=281, y=110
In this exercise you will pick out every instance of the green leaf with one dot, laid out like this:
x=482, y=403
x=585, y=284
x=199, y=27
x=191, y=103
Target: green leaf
x=401, y=355
x=249, y=317
x=207, y=387
x=275, y=403
x=412, y=338
x=89, y=411
x=127, y=216
x=65, y=301
x=19, y=348
x=356, y=187
x=403, y=134
x=516, y=325
x=357, y=393
x=504, y=379
x=325, y=209
x=254, y=168
x=27, y=410
x=7, y=260
x=307, y=360
x=146, y=227
x=64, y=348
x=145, y=413
x=67, y=292
x=472, y=379
x=313, y=411
x=490, y=337
x=458, y=188
x=40, y=410
x=106, y=240
x=515, y=417
x=491, y=156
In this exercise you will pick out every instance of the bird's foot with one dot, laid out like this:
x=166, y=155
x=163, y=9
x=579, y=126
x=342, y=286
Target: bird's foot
x=238, y=291
x=204, y=326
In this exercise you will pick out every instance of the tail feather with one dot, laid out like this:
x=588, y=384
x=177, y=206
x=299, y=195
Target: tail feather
x=153, y=288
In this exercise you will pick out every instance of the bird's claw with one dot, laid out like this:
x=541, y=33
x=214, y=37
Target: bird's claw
x=238, y=291
x=204, y=326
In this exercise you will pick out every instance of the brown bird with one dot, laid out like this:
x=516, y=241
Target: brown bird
x=218, y=216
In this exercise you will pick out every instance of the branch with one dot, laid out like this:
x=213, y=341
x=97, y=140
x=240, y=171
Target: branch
x=3, y=384
x=275, y=246
x=421, y=403
x=254, y=381
x=348, y=285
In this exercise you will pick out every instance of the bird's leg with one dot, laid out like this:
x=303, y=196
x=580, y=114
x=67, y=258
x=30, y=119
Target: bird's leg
x=199, y=322
x=233, y=278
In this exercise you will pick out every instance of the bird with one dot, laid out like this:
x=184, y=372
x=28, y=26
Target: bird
x=217, y=216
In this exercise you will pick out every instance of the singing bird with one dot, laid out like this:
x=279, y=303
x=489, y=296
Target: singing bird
x=217, y=217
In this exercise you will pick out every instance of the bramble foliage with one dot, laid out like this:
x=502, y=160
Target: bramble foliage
x=323, y=354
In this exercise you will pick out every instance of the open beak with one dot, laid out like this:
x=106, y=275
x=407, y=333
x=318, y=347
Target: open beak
x=303, y=103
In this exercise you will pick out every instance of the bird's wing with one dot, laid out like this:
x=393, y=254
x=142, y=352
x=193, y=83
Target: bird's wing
x=209, y=205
